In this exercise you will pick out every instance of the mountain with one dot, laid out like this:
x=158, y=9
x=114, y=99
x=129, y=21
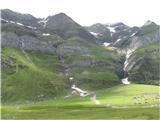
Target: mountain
x=142, y=53
x=101, y=32
x=108, y=32
x=59, y=24
x=43, y=57
x=65, y=27
x=13, y=17
x=139, y=37
x=40, y=61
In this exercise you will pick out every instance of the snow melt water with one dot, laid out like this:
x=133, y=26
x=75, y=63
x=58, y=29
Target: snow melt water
x=19, y=24
x=81, y=92
x=112, y=29
x=106, y=44
x=128, y=54
x=44, y=22
x=93, y=33
x=126, y=63
x=125, y=81
x=94, y=99
x=46, y=34
x=117, y=41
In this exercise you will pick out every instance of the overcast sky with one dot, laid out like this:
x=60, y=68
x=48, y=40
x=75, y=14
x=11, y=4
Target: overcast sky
x=87, y=12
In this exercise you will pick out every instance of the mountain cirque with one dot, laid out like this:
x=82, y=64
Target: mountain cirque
x=42, y=54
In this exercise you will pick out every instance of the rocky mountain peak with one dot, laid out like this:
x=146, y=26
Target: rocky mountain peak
x=119, y=26
x=149, y=22
x=13, y=16
x=60, y=18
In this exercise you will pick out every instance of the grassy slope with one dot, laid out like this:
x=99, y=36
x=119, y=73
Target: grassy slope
x=38, y=77
x=93, y=76
x=83, y=108
x=33, y=80
x=124, y=95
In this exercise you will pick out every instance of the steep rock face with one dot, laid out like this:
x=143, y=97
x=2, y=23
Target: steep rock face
x=10, y=40
x=141, y=41
x=147, y=34
x=65, y=27
x=123, y=38
x=139, y=37
x=143, y=64
x=26, y=42
x=59, y=24
x=119, y=26
x=101, y=32
x=25, y=19
x=140, y=68
x=64, y=49
x=112, y=33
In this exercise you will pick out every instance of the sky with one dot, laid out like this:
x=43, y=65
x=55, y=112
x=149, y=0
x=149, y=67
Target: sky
x=88, y=12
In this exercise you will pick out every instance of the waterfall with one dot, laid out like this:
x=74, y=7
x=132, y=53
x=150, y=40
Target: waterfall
x=129, y=52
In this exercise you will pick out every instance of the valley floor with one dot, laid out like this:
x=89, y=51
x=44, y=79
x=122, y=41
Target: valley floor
x=83, y=113
x=122, y=102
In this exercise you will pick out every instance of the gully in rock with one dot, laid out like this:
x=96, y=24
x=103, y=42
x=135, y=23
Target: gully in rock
x=126, y=63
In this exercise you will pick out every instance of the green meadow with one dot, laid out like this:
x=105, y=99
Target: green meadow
x=122, y=102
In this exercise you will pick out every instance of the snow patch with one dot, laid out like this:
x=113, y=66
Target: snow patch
x=12, y=22
x=31, y=27
x=46, y=34
x=96, y=34
x=93, y=33
x=81, y=92
x=125, y=81
x=112, y=29
x=44, y=21
x=117, y=41
x=19, y=24
x=71, y=78
x=133, y=34
x=106, y=44
x=4, y=20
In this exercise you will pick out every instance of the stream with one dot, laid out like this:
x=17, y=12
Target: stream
x=129, y=52
x=82, y=93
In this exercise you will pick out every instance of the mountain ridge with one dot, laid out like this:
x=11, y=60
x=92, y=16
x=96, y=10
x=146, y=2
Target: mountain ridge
x=55, y=49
